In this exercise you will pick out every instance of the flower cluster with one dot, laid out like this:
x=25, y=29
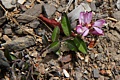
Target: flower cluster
x=87, y=26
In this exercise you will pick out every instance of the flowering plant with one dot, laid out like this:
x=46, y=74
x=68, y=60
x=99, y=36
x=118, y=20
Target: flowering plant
x=86, y=25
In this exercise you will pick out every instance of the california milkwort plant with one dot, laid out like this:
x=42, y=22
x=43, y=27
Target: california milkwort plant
x=86, y=25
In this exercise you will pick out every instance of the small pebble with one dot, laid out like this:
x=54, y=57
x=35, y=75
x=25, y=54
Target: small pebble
x=66, y=73
x=96, y=73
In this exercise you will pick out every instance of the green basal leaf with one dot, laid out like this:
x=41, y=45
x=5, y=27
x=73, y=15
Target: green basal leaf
x=13, y=57
x=81, y=45
x=7, y=55
x=71, y=45
x=54, y=46
x=66, y=25
x=10, y=57
x=55, y=34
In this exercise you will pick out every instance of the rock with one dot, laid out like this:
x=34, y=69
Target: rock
x=117, y=77
x=33, y=53
x=7, y=29
x=118, y=4
x=93, y=7
x=87, y=59
x=52, y=62
x=116, y=15
x=19, y=43
x=7, y=4
x=2, y=20
x=66, y=58
x=41, y=68
x=21, y=1
x=96, y=73
x=73, y=15
x=49, y=9
x=73, y=24
x=66, y=73
x=1, y=12
x=13, y=2
x=3, y=61
x=117, y=25
x=34, y=24
x=30, y=14
x=101, y=78
x=60, y=9
x=86, y=72
x=23, y=8
x=78, y=75
x=98, y=3
x=100, y=49
x=115, y=33
x=109, y=73
x=92, y=56
x=6, y=38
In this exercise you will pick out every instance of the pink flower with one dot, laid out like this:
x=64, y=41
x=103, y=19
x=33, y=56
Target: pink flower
x=86, y=26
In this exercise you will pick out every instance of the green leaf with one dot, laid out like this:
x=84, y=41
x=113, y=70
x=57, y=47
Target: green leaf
x=10, y=57
x=54, y=46
x=13, y=57
x=7, y=55
x=55, y=34
x=71, y=45
x=66, y=25
x=81, y=45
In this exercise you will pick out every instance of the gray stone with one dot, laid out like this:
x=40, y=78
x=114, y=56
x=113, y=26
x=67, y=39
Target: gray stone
x=116, y=15
x=23, y=8
x=8, y=4
x=34, y=24
x=3, y=61
x=96, y=73
x=93, y=7
x=7, y=29
x=73, y=15
x=13, y=2
x=19, y=43
x=101, y=78
x=49, y=9
x=118, y=4
x=92, y=56
x=40, y=32
x=2, y=20
x=60, y=9
x=117, y=25
x=30, y=14
x=86, y=72
x=100, y=49
x=78, y=75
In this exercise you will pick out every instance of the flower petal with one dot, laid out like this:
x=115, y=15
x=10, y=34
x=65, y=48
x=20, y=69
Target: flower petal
x=85, y=17
x=88, y=17
x=82, y=18
x=85, y=32
x=82, y=30
x=98, y=30
x=99, y=23
x=79, y=29
x=96, y=33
